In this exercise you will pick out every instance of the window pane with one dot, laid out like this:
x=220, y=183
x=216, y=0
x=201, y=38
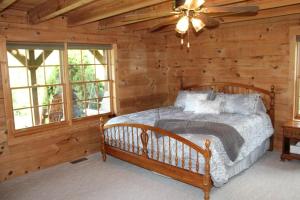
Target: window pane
x=105, y=106
x=89, y=73
x=40, y=86
x=37, y=76
x=18, y=77
x=52, y=57
x=100, y=57
x=88, y=57
x=79, y=109
x=104, y=89
x=92, y=107
x=49, y=95
x=20, y=98
x=76, y=73
x=91, y=91
x=74, y=57
x=101, y=72
x=23, y=118
x=16, y=57
x=53, y=75
x=78, y=92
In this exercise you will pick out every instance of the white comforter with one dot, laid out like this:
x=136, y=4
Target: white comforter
x=255, y=129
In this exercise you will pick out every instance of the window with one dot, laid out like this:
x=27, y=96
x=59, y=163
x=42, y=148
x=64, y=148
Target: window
x=297, y=81
x=89, y=72
x=38, y=87
x=36, y=84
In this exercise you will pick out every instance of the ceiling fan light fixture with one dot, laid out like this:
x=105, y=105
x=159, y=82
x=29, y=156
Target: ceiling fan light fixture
x=182, y=25
x=193, y=4
x=197, y=24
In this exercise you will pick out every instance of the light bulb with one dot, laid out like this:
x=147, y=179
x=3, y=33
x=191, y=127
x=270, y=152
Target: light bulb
x=183, y=25
x=197, y=24
x=193, y=4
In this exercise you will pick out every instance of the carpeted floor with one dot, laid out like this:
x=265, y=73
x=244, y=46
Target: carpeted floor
x=268, y=179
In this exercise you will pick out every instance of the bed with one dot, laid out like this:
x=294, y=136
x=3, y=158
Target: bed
x=196, y=159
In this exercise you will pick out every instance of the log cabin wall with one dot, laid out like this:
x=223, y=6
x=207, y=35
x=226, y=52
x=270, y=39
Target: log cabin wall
x=254, y=52
x=142, y=84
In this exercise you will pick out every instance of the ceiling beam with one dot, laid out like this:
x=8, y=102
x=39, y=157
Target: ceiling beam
x=268, y=9
x=158, y=11
x=5, y=3
x=145, y=14
x=162, y=10
x=107, y=8
x=53, y=8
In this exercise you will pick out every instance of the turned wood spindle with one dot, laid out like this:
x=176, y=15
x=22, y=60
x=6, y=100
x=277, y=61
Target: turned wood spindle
x=170, y=153
x=128, y=139
x=137, y=141
x=163, y=147
x=182, y=158
x=124, y=138
x=152, y=146
x=176, y=156
x=132, y=142
x=190, y=159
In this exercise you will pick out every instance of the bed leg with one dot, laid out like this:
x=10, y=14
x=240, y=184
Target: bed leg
x=206, y=194
x=102, y=140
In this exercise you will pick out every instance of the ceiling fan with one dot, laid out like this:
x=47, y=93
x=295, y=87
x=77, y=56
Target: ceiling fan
x=198, y=14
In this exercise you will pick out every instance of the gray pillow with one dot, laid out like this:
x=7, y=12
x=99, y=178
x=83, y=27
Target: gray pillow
x=245, y=104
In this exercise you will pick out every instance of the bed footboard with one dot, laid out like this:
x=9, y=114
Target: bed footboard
x=158, y=150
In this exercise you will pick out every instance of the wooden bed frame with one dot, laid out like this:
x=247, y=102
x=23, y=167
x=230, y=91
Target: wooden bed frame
x=144, y=155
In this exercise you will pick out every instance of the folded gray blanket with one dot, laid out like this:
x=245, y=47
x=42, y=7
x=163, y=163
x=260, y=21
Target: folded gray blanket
x=230, y=138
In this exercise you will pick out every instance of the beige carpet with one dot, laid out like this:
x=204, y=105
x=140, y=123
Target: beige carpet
x=268, y=179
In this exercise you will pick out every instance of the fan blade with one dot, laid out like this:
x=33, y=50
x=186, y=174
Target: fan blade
x=208, y=21
x=232, y=10
x=164, y=23
x=148, y=16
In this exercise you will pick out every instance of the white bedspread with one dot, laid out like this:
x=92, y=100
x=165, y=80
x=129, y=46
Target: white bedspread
x=255, y=129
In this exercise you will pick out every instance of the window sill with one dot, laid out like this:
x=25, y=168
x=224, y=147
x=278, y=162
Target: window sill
x=52, y=130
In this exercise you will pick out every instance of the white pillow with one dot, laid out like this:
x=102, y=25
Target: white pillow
x=203, y=107
x=184, y=97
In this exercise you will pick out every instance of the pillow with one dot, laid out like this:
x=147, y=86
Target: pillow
x=203, y=107
x=180, y=99
x=245, y=104
x=183, y=94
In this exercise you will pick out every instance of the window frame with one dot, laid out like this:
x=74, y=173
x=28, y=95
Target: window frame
x=294, y=68
x=83, y=82
x=66, y=86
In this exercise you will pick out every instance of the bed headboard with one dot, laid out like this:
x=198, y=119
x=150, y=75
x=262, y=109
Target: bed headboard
x=267, y=96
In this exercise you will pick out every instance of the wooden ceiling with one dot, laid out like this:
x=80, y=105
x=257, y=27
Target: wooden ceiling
x=110, y=14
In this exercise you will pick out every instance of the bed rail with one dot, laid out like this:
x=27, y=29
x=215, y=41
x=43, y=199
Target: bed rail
x=151, y=148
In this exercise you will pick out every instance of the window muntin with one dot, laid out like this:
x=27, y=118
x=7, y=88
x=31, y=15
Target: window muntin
x=35, y=77
x=90, y=81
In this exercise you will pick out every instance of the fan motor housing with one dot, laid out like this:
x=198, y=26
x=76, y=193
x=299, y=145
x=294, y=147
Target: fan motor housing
x=178, y=3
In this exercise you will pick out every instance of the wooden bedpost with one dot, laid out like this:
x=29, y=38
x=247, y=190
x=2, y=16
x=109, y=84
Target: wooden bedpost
x=207, y=179
x=102, y=139
x=272, y=114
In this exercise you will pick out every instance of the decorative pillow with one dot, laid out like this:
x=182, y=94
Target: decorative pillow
x=185, y=96
x=180, y=100
x=245, y=104
x=203, y=107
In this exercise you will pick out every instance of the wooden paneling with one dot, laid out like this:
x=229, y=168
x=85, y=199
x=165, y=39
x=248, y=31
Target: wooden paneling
x=250, y=52
x=53, y=8
x=142, y=85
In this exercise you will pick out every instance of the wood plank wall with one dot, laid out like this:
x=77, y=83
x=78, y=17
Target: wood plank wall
x=142, y=85
x=255, y=52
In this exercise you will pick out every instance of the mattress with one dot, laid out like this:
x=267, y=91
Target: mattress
x=255, y=130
